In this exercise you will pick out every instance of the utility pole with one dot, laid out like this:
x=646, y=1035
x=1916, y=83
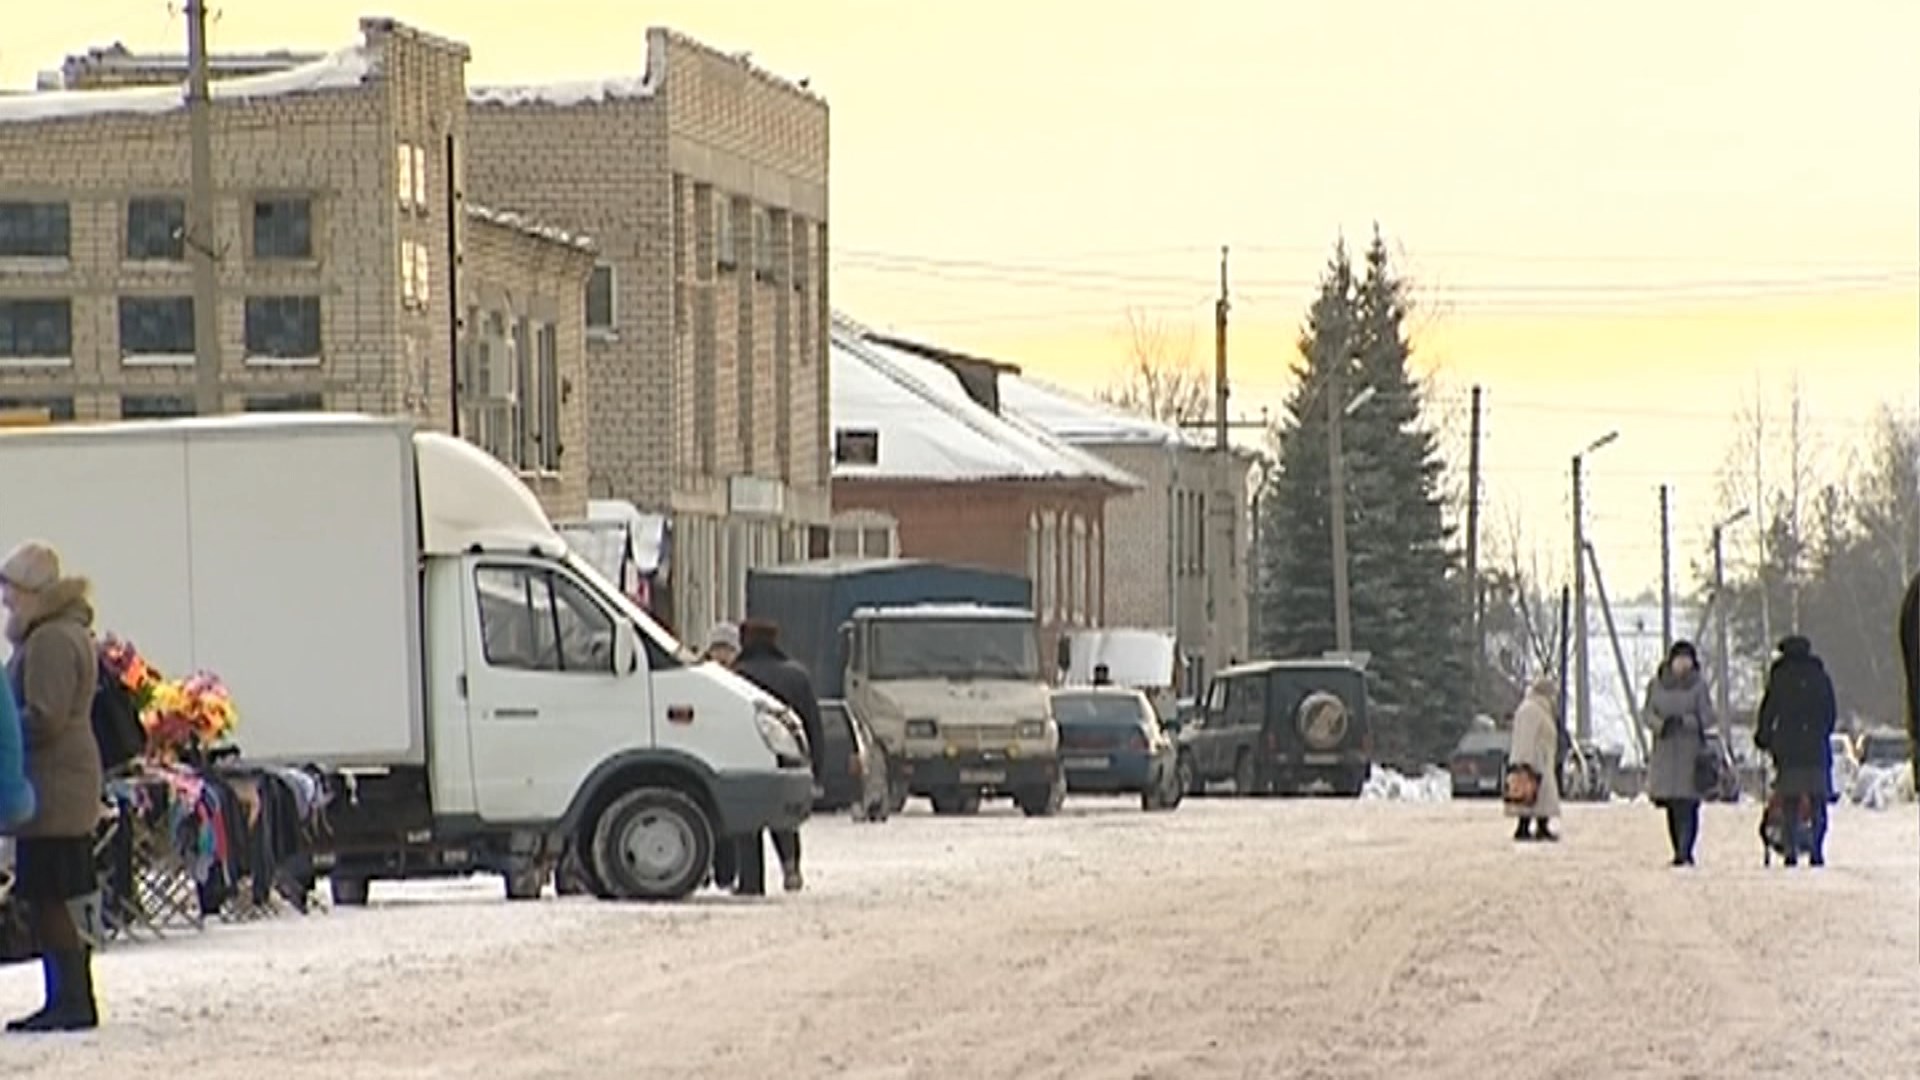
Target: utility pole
x=1220, y=392
x=201, y=242
x=1583, y=693
x=1335, y=393
x=1760, y=507
x=1225, y=507
x=1475, y=624
x=1666, y=570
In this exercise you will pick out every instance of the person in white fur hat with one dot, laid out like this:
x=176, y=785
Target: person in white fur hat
x=54, y=670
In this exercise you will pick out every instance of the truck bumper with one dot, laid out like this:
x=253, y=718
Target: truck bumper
x=991, y=774
x=751, y=801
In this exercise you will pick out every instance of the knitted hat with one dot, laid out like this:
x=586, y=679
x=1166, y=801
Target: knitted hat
x=32, y=567
x=723, y=635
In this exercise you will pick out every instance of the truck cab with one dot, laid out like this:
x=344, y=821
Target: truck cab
x=954, y=692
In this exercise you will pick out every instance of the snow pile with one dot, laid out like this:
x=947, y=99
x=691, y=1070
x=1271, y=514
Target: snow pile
x=1879, y=787
x=344, y=70
x=565, y=95
x=1434, y=785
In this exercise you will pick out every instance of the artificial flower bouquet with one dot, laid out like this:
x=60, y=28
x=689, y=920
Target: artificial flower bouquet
x=183, y=718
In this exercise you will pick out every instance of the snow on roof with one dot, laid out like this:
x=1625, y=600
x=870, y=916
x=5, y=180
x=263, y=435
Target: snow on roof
x=343, y=70
x=930, y=429
x=565, y=94
x=1082, y=421
x=509, y=219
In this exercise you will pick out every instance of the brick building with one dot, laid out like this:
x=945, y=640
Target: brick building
x=336, y=221
x=921, y=443
x=703, y=181
x=1178, y=548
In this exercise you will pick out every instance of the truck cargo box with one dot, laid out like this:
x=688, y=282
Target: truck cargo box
x=280, y=553
x=810, y=601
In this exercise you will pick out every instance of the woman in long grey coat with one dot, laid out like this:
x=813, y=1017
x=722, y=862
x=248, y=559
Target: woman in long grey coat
x=1536, y=744
x=1679, y=714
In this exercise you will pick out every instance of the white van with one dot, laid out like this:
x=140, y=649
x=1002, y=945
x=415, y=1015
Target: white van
x=394, y=607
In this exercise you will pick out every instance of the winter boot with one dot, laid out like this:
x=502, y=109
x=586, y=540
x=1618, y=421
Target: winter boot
x=50, y=976
x=1523, y=831
x=74, y=1008
x=1545, y=833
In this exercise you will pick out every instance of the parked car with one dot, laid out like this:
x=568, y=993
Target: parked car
x=1112, y=742
x=1884, y=747
x=853, y=768
x=1282, y=726
x=1479, y=764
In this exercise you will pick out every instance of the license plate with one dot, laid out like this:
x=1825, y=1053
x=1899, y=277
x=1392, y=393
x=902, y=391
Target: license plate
x=982, y=776
x=1087, y=763
x=1488, y=783
x=1321, y=759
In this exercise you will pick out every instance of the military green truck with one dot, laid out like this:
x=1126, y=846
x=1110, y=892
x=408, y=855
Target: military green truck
x=1282, y=726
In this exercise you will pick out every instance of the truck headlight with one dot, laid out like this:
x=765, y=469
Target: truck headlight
x=922, y=729
x=777, y=733
x=1031, y=729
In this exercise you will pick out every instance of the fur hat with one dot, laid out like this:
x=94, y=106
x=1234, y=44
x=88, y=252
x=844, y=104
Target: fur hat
x=32, y=567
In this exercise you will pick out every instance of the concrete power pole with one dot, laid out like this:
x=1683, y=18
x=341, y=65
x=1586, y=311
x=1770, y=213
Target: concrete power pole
x=1720, y=650
x=1475, y=624
x=1335, y=393
x=1225, y=507
x=201, y=242
x=1583, y=698
x=1666, y=570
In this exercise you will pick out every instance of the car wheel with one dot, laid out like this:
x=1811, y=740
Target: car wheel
x=347, y=891
x=527, y=883
x=1043, y=801
x=653, y=844
x=954, y=802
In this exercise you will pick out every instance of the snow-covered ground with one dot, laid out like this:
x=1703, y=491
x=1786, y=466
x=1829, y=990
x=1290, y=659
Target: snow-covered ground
x=1330, y=938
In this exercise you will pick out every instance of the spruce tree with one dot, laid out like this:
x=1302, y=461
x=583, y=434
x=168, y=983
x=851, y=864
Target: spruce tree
x=1406, y=598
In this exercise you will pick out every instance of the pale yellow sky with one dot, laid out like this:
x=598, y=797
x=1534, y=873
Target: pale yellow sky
x=1620, y=216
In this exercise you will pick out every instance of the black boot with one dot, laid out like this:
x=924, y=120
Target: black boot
x=1544, y=833
x=1523, y=831
x=74, y=1008
x=50, y=976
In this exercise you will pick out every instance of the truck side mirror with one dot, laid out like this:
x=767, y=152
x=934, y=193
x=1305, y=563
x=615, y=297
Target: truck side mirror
x=847, y=648
x=626, y=648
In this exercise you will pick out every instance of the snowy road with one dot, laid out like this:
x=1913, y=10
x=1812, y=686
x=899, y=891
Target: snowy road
x=1227, y=939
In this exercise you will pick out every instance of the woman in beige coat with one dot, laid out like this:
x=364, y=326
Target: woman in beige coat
x=1536, y=744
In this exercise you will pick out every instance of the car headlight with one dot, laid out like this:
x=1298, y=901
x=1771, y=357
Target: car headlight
x=777, y=733
x=922, y=729
x=1030, y=729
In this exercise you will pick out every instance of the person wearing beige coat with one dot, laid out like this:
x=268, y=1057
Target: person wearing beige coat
x=1536, y=744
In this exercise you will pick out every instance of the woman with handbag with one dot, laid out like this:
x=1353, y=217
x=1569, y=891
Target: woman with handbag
x=1533, y=786
x=1679, y=714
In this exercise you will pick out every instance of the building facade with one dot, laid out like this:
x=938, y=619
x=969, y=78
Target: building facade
x=1178, y=548
x=704, y=184
x=344, y=253
x=922, y=445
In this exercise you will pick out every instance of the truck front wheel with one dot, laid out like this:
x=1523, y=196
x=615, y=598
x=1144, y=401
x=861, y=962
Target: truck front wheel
x=652, y=844
x=347, y=891
x=1043, y=801
x=955, y=801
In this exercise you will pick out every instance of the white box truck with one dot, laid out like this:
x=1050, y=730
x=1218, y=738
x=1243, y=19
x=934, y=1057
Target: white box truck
x=393, y=607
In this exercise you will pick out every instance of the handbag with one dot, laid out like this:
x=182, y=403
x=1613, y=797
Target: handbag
x=1706, y=769
x=1522, y=786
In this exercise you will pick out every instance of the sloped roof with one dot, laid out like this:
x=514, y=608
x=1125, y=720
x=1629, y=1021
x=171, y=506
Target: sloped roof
x=1082, y=421
x=930, y=429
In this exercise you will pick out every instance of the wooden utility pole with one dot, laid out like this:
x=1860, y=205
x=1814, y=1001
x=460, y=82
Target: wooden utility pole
x=1666, y=570
x=201, y=242
x=1220, y=391
x=1475, y=624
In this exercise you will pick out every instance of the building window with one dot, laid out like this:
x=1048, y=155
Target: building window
x=35, y=230
x=411, y=183
x=726, y=246
x=763, y=265
x=1200, y=533
x=36, y=330
x=283, y=228
x=277, y=403
x=155, y=406
x=283, y=328
x=601, y=309
x=52, y=409
x=419, y=178
x=156, y=326
x=549, y=391
x=800, y=249
x=526, y=452
x=492, y=388
x=414, y=262
x=156, y=229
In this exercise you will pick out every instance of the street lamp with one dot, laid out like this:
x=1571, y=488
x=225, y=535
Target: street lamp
x=1720, y=603
x=1583, y=693
x=1337, y=483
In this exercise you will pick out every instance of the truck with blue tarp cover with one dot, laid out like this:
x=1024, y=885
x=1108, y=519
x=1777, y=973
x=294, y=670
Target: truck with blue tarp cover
x=942, y=661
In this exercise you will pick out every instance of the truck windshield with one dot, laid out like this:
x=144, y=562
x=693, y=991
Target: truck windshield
x=954, y=649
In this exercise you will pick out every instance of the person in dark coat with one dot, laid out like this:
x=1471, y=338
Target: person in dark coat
x=1796, y=721
x=1909, y=635
x=762, y=663
x=53, y=671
